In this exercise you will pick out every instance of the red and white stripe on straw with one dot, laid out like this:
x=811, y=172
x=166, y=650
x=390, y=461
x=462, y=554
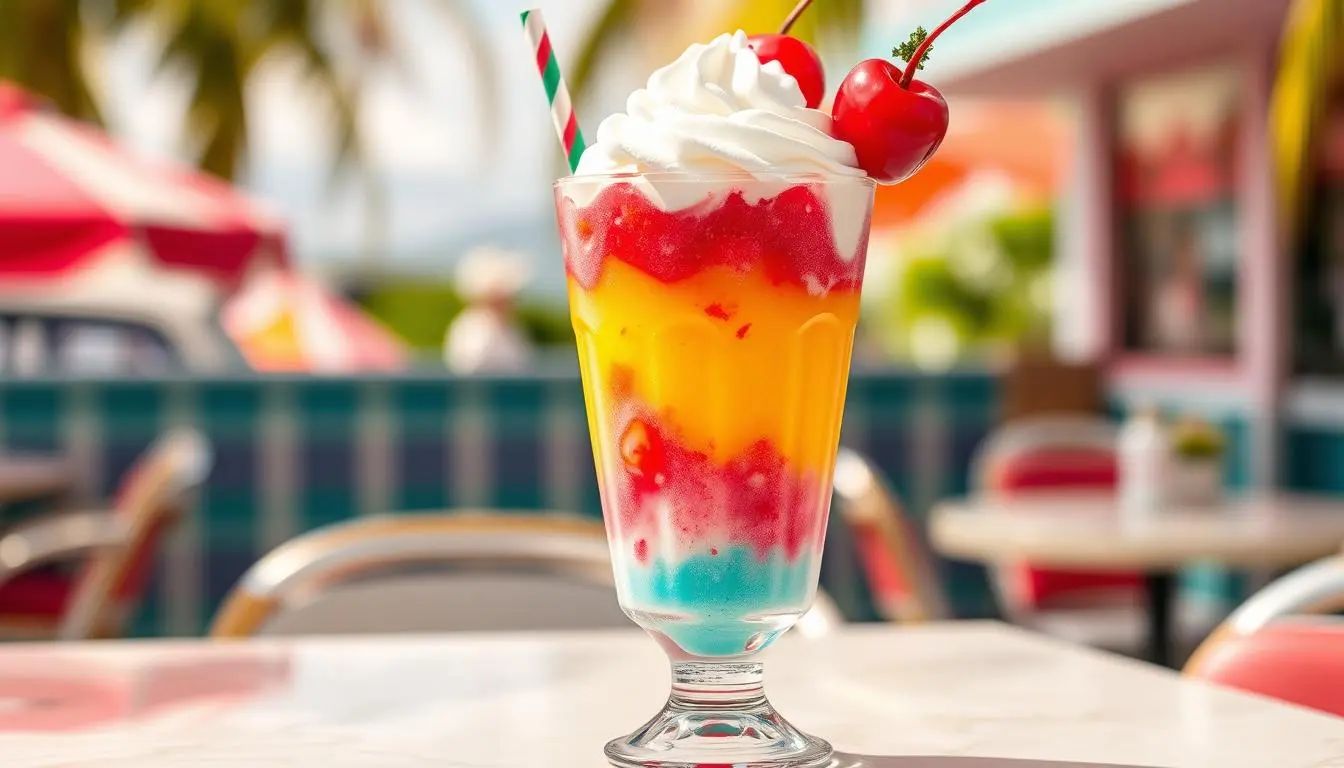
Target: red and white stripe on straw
x=557, y=93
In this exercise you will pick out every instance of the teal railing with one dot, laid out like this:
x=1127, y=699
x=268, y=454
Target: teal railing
x=296, y=453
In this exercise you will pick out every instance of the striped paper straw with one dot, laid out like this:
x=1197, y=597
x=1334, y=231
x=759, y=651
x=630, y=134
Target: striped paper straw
x=562, y=108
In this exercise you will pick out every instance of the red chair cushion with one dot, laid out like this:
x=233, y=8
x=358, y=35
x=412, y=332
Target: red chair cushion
x=1086, y=469
x=1300, y=663
x=35, y=594
x=1077, y=468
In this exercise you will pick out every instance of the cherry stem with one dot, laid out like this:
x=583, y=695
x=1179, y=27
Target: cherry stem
x=912, y=66
x=793, y=16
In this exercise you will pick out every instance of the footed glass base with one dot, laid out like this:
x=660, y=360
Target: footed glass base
x=718, y=715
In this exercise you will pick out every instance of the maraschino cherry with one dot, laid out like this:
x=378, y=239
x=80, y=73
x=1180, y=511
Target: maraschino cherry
x=795, y=56
x=894, y=122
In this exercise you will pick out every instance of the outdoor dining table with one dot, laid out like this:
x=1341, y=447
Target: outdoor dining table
x=954, y=695
x=1086, y=531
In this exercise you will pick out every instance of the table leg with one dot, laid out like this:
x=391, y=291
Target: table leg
x=1161, y=587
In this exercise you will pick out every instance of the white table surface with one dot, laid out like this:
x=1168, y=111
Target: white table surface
x=1063, y=529
x=982, y=691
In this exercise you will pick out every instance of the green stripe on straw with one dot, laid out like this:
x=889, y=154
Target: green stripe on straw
x=551, y=78
x=557, y=94
x=576, y=153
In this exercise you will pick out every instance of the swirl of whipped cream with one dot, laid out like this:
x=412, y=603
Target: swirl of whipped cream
x=718, y=109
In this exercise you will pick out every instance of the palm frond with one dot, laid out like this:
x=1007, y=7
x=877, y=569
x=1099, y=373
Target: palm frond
x=41, y=47
x=118, y=14
x=1309, y=64
x=343, y=101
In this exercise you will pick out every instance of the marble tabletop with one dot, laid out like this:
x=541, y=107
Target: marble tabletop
x=963, y=695
x=1069, y=529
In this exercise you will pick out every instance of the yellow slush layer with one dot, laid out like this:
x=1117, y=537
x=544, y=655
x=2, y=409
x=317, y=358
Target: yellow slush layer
x=723, y=359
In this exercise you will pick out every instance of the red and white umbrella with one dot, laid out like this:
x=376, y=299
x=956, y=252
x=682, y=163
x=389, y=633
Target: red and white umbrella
x=70, y=198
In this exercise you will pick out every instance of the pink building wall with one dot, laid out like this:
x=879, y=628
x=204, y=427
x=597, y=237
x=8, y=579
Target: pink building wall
x=1083, y=71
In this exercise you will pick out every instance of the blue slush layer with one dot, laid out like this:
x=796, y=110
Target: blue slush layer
x=721, y=601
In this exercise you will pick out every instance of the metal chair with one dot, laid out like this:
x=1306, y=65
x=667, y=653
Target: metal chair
x=118, y=548
x=1282, y=643
x=900, y=572
x=438, y=572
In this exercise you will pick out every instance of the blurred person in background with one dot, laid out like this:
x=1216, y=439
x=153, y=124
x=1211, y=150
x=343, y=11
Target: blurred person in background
x=486, y=337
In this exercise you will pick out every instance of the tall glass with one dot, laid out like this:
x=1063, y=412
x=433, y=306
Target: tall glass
x=715, y=317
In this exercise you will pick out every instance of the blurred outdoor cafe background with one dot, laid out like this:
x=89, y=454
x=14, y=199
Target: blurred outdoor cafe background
x=311, y=244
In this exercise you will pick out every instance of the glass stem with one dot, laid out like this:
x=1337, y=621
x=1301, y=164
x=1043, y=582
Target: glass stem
x=717, y=686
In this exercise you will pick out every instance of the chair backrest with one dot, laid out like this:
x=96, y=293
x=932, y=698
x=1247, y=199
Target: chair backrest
x=1057, y=453
x=429, y=572
x=150, y=500
x=464, y=571
x=899, y=568
x=1047, y=452
x=1314, y=589
x=1277, y=644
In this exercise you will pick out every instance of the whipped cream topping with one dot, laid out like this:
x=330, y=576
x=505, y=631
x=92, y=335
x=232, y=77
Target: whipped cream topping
x=718, y=109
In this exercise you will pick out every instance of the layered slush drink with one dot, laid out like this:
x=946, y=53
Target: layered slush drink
x=714, y=239
x=715, y=316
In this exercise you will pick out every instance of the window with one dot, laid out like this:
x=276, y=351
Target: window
x=1176, y=198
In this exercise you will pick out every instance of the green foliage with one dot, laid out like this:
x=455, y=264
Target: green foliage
x=420, y=311
x=546, y=323
x=1026, y=238
x=984, y=287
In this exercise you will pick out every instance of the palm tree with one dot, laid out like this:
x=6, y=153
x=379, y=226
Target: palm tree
x=219, y=45
x=672, y=23
x=1311, y=63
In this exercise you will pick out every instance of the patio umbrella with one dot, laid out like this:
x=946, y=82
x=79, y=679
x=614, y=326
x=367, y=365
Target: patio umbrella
x=1022, y=144
x=71, y=197
x=285, y=321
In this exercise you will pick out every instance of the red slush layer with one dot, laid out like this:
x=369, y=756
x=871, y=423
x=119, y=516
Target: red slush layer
x=754, y=500
x=789, y=236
